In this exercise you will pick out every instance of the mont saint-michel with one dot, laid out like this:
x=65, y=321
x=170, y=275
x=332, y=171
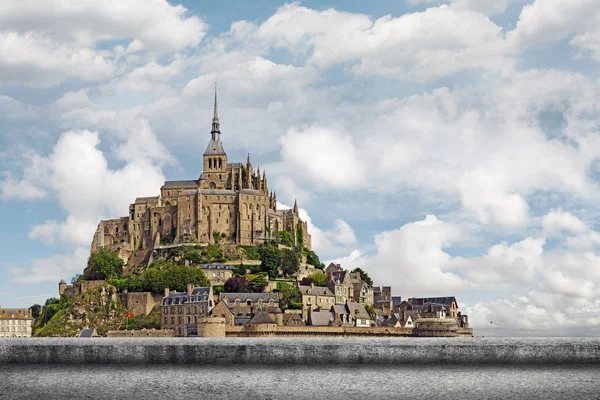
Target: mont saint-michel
x=215, y=257
x=229, y=199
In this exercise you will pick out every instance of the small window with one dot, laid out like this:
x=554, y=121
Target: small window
x=205, y=197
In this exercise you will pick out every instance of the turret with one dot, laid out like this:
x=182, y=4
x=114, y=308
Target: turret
x=295, y=207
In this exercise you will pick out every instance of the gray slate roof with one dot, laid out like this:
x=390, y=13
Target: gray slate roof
x=216, y=266
x=252, y=296
x=321, y=318
x=435, y=300
x=144, y=200
x=357, y=310
x=88, y=333
x=215, y=146
x=316, y=290
x=178, y=298
x=261, y=317
x=188, y=183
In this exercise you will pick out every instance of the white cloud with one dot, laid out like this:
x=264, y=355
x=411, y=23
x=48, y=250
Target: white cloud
x=557, y=221
x=411, y=259
x=548, y=21
x=156, y=24
x=44, y=44
x=77, y=174
x=53, y=268
x=323, y=156
x=14, y=189
x=421, y=46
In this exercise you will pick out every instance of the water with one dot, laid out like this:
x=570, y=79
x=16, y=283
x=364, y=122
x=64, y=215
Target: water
x=346, y=378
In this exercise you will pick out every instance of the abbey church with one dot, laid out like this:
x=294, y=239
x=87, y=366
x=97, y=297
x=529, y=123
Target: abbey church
x=229, y=202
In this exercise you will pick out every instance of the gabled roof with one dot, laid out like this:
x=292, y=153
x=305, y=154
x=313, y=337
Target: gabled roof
x=288, y=318
x=357, y=310
x=321, y=318
x=446, y=301
x=88, y=333
x=315, y=290
x=179, y=298
x=261, y=317
x=339, y=276
x=252, y=296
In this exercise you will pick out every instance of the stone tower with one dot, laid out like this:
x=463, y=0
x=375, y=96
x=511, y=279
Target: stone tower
x=215, y=158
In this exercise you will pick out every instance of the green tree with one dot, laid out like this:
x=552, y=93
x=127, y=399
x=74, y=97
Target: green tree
x=216, y=237
x=313, y=259
x=299, y=237
x=364, y=276
x=319, y=278
x=36, y=311
x=269, y=257
x=257, y=282
x=240, y=270
x=284, y=238
x=288, y=294
x=103, y=264
x=289, y=262
x=174, y=277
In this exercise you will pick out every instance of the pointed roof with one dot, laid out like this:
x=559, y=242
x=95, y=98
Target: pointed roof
x=215, y=147
x=261, y=317
x=295, y=207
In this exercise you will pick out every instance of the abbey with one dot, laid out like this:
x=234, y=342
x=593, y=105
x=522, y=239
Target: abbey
x=229, y=202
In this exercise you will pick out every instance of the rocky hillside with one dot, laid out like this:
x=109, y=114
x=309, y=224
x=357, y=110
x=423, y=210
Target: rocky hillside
x=98, y=308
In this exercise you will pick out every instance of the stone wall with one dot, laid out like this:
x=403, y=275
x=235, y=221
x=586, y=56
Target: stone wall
x=140, y=303
x=152, y=333
x=211, y=327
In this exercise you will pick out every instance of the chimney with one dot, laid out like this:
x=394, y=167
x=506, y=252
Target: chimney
x=312, y=285
x=167, y=292
x=357, y=275
x=190, y=288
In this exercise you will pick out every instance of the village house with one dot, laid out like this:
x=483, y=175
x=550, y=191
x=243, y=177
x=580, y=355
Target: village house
x=340, y=284
x=315, y=297
x=351, y=314
x=363, y=293
x=15, y=322
x=322, y=317
x=181, y=310
x=435, y=307
x=244, y=306
x=217, y=274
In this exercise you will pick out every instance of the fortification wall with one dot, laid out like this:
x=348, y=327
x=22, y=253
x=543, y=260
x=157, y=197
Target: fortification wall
x=144, y=333
x=316, y=351
x=211, y=327
x=139, y=303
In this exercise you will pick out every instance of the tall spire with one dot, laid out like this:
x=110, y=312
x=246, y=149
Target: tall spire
x=215, y=121
x=295, y=207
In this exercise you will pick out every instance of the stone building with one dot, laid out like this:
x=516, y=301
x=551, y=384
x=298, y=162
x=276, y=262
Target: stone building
x=435, y=307
x=315, y=297
x=217, y=274
x=181, y=311
x=244, y=306
x=340, y=283
x=229, y=202
x=363, y=293
x=15, y=322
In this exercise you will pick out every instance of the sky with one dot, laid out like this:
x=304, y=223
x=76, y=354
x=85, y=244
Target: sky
x=447, y=147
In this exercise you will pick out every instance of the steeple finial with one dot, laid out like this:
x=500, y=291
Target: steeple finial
x=295, y=206
x=215, y=121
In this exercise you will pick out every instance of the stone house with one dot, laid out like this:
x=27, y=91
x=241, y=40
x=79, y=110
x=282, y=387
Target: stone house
x=221, y=310
x=244, y=306
x=15, y=322
x=363, y=293
x=315, y=297
x=180, y=311
x=340, y=284
x=435, y=307
x=332, y=268
x=351, y=314
x=217, y=274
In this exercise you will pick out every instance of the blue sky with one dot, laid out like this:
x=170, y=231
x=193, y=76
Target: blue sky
x=446, y=147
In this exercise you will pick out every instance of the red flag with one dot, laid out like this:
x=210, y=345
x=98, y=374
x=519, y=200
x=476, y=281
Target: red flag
x=129, y=314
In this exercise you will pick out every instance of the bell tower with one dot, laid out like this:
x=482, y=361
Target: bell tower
x=215, y=158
